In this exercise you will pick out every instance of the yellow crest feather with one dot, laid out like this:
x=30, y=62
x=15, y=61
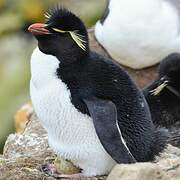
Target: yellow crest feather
x=78, y=39
x=158, y=90
x=58, y=30
x=47, y=15
x=75, y=36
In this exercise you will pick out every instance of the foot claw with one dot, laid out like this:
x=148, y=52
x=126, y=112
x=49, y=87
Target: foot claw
x=50, y=169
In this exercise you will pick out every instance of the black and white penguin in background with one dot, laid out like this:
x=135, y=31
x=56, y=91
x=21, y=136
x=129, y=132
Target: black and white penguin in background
x=93, y=112
x=163, y=95
x=140, y=33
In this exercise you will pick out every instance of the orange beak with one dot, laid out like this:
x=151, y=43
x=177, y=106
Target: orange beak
x=38, y=29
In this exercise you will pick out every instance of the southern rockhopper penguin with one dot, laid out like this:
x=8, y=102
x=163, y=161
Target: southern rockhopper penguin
x=163, y=95
x=140, y=33
x=93, y=112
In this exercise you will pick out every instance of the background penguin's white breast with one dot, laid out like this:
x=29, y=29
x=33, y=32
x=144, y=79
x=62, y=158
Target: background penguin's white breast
x=140, y=33
x=70, y=133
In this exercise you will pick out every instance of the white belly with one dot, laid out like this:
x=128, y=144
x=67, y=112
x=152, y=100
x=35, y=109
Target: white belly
x=139, y=34
x=71, y=134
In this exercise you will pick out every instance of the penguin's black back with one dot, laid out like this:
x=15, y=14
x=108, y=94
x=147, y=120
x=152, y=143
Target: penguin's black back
x=98, y=76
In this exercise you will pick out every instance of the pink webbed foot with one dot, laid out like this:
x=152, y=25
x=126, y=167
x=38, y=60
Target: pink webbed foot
x=51, y=170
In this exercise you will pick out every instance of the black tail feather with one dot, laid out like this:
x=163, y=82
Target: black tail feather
x=160, y=141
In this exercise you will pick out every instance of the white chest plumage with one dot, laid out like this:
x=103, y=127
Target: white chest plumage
x=71, y=134
x=140, y=33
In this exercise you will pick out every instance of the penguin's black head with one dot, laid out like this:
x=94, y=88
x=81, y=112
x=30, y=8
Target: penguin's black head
x=169, y=72
x=170, y=67
x=62, y=35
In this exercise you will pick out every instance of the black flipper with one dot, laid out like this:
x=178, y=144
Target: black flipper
x=104, y=115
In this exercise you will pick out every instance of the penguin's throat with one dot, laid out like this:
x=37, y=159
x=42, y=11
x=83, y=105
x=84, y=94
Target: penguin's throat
x=43, y=68
x=71, y=57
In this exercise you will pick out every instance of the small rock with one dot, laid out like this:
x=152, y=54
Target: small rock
x=138, y=171
x=22, y=117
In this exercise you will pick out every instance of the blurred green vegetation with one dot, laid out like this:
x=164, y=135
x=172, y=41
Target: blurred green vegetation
x=16, y=47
